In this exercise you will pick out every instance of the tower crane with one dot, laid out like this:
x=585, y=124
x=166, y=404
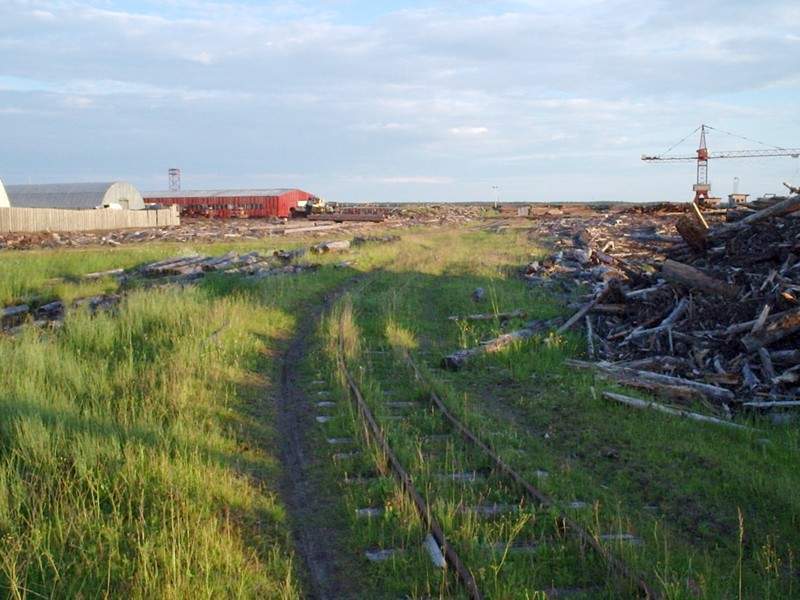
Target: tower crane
x=702, y=187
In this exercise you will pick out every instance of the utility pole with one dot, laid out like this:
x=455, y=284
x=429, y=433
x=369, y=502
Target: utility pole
x=496, y=189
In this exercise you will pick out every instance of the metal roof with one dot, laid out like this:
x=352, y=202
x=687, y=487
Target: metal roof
x=217, y=193
x=76, y=195
x=3, y=197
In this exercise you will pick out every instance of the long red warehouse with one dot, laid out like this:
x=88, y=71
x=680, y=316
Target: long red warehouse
x=280, y=203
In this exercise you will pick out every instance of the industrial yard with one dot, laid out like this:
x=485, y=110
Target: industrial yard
x=455, y=402
x=357, y=300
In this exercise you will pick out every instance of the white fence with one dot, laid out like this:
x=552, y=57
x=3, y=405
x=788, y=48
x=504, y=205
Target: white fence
x=54, y=219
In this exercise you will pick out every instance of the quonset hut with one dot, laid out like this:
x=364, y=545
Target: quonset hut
x=282, y=203
x=3, y=196
x=115, y=194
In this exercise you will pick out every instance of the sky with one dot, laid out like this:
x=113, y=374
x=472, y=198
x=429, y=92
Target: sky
x=355, y=100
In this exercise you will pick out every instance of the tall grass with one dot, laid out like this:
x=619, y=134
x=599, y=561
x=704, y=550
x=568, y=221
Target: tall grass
x=122, y=467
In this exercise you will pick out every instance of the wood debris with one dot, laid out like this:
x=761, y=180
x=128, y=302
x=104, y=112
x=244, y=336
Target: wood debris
x=717, y=321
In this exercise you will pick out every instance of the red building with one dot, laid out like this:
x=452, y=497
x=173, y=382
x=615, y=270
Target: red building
x=282, y=203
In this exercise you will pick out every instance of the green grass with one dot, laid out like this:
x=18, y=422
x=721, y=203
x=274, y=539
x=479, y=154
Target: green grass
x=678, y=485
x=137, y=448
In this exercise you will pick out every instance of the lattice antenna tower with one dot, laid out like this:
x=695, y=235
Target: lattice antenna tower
x=174, y=180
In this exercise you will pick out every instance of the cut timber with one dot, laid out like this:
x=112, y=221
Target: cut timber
x=644, y=404
x=654, y=381
x=701, y=220
x=776, y=210
x=459, y=358
x=695, y=236
x=787, y=325
x=696, y=279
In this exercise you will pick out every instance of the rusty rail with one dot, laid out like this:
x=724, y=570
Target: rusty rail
x=614, y=562
x=374, y=433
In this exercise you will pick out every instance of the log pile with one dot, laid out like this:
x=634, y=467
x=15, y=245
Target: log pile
x=714, y=317
x=694, y=307
x=180, y=270
x=190, y=230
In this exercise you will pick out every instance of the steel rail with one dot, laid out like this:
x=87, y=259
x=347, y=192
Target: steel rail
x=614, y=562
x=374, y=432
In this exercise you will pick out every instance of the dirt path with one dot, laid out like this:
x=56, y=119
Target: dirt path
x=311, y=499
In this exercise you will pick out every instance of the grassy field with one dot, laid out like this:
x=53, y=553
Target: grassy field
x=138, y=448
x=714, y=508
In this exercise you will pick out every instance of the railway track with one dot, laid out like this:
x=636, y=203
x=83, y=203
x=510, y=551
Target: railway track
x=479, y=511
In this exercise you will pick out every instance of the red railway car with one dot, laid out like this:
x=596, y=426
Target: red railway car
x=245, y=204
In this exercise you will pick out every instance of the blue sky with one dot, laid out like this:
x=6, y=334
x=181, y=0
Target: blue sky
x=398, y=101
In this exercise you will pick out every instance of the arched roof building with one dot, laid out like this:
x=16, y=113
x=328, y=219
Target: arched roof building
x=3, y=197
x=116, y=194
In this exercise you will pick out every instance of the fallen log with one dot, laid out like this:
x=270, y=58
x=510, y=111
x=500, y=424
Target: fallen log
x=585, y=309
x=694, y=278
x=324, y=247
x=460, y=358
x=14, y=311
x=776, y=210
x=676, y=412
x=655, y=381
x=287, y=255
x=776, y=404
x=785, y=356
x=502, y=316
x=748, y=325
x=676, y=314
x=695, y=236
x=589, y=337
x=787, y=325
x=101, y=274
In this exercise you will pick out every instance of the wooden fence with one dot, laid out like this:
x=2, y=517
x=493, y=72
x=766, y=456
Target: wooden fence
x=53, y=219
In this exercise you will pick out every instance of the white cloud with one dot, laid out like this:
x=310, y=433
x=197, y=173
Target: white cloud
x=469, y=131
x=78, y=102
x=466, y=91
x=43, y=15
x=402, y=179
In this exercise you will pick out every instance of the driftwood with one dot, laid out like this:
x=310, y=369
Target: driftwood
x=460, y=358
x=646, y=404
x=696, y=279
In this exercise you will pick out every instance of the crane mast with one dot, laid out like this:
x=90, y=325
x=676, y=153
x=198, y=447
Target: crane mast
x=702, y=188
